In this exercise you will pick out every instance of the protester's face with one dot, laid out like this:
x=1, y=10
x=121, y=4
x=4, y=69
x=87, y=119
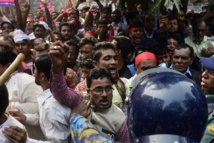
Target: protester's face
x=39, y=32
x=149, y=22
x=181, y=16
x=144, y=65
x=7, y=28
x=66, y=32
x=181, y=59
x=72, y=56
x=171, y=44
x=85, y=72
x=207, y=80
x=172, y=26
x=108, y=60
x=106, y=15
x=29, y=25
x=163, y=58
x=74, y=15
x=136, y=35
x=85, y=51
x=116, y=16
x=37, y=42
x=200, y=30
x=101, y=29
x=54, y=15
x=23, y=47
x=101, y=93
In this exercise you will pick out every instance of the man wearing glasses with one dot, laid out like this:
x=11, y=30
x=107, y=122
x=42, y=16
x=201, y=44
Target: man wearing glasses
x=105, y=116
x=207, y=85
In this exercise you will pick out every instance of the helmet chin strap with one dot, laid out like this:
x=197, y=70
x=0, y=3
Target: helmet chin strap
x=145, y=73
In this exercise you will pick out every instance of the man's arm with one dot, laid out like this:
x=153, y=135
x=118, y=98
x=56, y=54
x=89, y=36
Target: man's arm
x=58, y=53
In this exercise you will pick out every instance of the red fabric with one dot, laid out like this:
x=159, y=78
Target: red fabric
x=111, y=34
x=163, y=54
x=91, y=33
x=144, y=56
x=69, y=4
x=49, y=6
x=42, y=18
x=23, y=67
x=131, y=29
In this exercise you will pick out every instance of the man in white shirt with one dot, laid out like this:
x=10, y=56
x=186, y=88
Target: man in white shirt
x=22, y=90
x=53, y=117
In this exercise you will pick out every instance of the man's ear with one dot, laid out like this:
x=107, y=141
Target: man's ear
x=190, y=61
x=95, y=64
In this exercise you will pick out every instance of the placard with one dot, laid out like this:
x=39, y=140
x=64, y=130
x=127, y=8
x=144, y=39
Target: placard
x=7, y=3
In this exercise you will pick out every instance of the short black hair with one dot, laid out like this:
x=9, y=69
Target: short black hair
x=87, y=40
x=184, y=46
x=125, y=45
x=7, y=55
x=97, y=51
x=107, y=9
x=87, y=62
x=73, y=42
x=4, y=99
x=97, y=73
x=176, y=37
x=43, y=64
x=101, y=22
x=65, y=24
x=137, y=24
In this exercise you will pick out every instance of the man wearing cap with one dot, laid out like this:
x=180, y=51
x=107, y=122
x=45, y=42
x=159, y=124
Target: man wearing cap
x=22, y=45
x=40, y=29
x=144, y=61
x=207, y=85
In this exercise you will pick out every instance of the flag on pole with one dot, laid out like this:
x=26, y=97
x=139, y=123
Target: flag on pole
x=69, y=4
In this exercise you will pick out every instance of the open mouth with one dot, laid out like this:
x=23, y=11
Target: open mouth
x=104, y=102
x=113, y=71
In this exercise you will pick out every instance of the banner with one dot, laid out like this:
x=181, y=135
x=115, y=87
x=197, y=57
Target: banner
x=7, y=3
x=49, y=6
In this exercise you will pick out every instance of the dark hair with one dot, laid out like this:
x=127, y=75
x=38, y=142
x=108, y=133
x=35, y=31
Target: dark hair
x=43, y=64
x=38, y=25
x=184, y=46
x=85, y=8
x=101, y=22
x=97, y=51
x=65, y=24
x=196, y=22
x=176, y=37
x=172, y=17
x=73, y=43
x=87, y=40
x=7, y=55
x=87, y=63
x=125, y=45
x=136, y=24
x=4, y=99
x=97, y=73
x=107, y=9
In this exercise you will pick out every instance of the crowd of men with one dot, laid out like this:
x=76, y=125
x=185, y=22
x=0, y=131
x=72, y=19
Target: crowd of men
x=84, y=62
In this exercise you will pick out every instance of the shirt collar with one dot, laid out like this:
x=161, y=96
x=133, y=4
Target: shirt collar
x=186, y=72
x=44, y=96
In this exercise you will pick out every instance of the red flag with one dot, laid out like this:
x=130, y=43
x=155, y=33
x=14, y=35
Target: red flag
x=49, y=6
x=69, y=4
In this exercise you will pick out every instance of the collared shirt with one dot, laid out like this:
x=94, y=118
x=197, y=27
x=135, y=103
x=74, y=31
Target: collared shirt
x=205, y=43
x=72, y=98
x=186, y=73
x=54, y=118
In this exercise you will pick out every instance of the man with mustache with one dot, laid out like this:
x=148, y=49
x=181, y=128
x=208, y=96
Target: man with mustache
x=99, y=84
x=182, y=58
